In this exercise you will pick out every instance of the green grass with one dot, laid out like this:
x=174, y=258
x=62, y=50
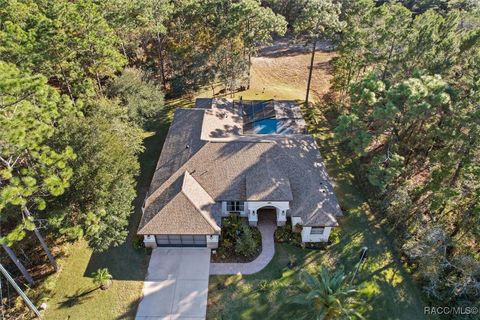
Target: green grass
x=73, y=293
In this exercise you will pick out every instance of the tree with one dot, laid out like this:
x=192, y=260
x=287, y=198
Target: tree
x=159, y=11
x=411, y=120
x=319, y=18
x=103, y=278
x=192, y=37
x=391, y=42
x=31, y=171
x=141, y=97
x=442, y=6
x=69, y=42
x=290, y=9
x=257, y=24
x=98, y=204
x=137, y=21
x=326, y=296
x=445, y=277
x=231, y=69
x=394, y=119
x=19, y=264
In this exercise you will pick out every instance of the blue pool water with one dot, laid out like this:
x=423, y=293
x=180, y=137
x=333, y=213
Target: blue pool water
x=265, y=126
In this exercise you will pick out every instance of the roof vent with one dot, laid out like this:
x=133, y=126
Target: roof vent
x=187, y=146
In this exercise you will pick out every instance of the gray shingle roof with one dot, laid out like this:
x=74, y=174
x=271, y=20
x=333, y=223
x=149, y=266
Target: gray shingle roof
x=184, y=208
x=265, y=182
x=234, y=167
x=313, y=197
x=183, y=141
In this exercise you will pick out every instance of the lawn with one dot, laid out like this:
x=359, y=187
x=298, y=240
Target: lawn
x=73, y=293
x=387, y=287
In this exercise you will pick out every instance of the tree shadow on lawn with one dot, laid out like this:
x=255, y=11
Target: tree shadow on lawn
x=287, y=47
x=124, y=262
x=391, y=292
x=78, y=298
x=389, y=288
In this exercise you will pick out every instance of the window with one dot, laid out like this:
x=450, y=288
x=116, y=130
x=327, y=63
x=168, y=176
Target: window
x=316, y=230
x=235, y=206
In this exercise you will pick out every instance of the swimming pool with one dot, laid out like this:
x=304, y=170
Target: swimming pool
x=271, y=117
x=265, y=126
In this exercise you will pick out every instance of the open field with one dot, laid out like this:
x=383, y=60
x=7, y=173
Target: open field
x=284, y=75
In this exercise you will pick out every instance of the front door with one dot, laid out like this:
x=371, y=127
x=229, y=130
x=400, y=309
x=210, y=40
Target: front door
x=267, y=213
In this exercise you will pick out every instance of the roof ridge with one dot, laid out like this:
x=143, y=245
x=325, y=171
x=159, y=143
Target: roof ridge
x=194, y=108
x=210, y=221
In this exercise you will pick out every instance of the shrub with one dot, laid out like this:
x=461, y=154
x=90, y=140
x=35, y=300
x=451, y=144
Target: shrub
x=138, y=242
x=142, y=98
x=334, y=236
x=297, y=228
x=263, y=286
x=246, y=244
x=284, y=233
x=227, y=243
x=231, y=227
x=297, y=239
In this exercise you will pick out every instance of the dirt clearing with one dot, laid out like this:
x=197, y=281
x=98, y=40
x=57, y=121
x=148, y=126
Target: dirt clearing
x=280, y=73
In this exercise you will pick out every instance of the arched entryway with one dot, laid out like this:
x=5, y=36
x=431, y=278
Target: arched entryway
x=256, y=208
x=267, y=213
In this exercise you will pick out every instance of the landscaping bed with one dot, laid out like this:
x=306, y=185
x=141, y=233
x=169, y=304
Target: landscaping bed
x=287, y=234
x=239, y=242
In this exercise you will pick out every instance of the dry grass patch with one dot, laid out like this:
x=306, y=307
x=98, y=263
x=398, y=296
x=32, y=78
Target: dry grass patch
x=285, y=77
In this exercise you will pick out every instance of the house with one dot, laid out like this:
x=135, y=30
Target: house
x=225, y=157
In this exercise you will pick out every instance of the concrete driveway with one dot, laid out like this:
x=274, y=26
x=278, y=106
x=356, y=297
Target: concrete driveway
x=176, y=286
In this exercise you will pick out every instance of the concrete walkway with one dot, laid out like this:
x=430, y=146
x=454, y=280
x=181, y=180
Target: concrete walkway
x=176, y=286
x=267, y=229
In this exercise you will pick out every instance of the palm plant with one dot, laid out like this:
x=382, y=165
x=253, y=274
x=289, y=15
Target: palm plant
x=325, y=297
x=102, y=278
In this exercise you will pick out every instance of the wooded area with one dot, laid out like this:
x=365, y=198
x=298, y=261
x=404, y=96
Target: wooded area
x=82, y=81
x=408, y=99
